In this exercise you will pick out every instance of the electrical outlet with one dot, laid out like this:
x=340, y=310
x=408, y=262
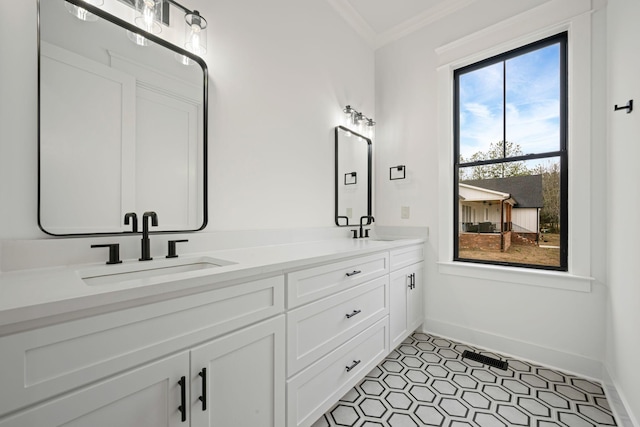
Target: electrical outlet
x=405, y=212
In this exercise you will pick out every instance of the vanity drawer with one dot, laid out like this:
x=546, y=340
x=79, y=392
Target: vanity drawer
x=49, y=361
x=314, y=283
x=406, y=256
x=317, y=388
x=316, y=329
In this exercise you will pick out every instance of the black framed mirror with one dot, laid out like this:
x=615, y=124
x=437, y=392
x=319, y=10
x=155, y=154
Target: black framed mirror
x=122, y=125
x=352, y=177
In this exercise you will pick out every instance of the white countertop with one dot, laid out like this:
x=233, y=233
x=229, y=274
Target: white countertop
x=31, y=295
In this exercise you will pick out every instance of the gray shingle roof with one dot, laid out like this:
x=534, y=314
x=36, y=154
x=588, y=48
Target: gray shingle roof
x=526, y=190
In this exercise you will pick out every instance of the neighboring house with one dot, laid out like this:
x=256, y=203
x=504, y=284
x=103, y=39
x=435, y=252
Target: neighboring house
x=493, y=205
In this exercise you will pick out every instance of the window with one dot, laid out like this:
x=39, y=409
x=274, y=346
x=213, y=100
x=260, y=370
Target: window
x=510, y=158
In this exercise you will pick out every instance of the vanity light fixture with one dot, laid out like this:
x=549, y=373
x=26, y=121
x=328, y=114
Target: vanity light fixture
x=81, y=13
x=150, y=13
x=357, y=120
x=149, y=16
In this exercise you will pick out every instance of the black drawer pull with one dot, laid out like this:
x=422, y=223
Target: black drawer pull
x=353, y=365
x=183, y=398
x=349, y=316
x=412, y=283
x=203, y=398
x=353, y=273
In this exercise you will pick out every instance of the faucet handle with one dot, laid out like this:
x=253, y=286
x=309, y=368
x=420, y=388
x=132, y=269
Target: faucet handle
x=114, y=252
x=131, y=216
x=172, y=248
x=355, y=233
x=366, y=232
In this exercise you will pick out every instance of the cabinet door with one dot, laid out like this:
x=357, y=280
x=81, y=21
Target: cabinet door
x=148, y=396
x=398, y=292
x=244, y=379
x=414, y=298
x=405, y=302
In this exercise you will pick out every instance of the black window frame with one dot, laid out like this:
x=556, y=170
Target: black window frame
x=561, y=153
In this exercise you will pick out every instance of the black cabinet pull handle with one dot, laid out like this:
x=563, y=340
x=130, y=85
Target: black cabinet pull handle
x=353, y=365
x=353, y=273
x=350, y=315
x=183, y=398
x=203, y=398
x=413, y=280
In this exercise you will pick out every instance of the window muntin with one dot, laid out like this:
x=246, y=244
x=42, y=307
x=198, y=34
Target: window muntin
x=510, y=121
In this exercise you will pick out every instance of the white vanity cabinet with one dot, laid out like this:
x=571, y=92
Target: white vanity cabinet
x=337, y=332
x=124, y=368
x=406, y=286
x=274, y=350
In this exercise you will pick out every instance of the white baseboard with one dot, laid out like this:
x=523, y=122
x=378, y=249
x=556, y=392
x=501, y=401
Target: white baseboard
x=552, y=358
x=617, y=402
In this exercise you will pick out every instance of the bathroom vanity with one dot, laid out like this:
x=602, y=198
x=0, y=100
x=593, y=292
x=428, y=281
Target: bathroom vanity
x=262, y=336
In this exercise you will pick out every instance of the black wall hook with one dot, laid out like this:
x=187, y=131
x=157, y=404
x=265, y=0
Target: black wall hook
x=628, y=107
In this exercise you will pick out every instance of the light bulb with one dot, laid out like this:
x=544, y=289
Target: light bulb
x=148, y=15
x=193, y=44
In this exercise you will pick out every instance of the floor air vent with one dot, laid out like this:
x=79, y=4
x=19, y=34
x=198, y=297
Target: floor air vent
x=486, y=360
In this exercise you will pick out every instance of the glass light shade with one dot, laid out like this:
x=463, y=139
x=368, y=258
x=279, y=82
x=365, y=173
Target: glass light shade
x=348, y=116
x=81, y=13
x=359, y=122
x=195, y=33
x=149, y=16
x=370, y=125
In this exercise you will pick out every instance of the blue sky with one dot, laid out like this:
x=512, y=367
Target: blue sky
x=532, y=103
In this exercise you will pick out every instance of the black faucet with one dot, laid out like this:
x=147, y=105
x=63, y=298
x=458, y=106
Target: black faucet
x=369, y=219
x=146, y=247
x=131, y=216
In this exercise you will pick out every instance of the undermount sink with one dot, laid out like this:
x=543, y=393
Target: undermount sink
x=107, y=275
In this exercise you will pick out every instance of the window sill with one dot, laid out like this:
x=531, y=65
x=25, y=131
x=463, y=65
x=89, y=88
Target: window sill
x=522, y=276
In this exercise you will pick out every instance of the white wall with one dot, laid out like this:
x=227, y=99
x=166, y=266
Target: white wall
x=623, y=332
x=280, y=73
x=559, y=327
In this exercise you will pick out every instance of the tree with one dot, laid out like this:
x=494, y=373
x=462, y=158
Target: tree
x=497, y=150
x=550, y=213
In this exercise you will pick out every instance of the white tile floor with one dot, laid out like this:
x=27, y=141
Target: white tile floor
x=426, y=382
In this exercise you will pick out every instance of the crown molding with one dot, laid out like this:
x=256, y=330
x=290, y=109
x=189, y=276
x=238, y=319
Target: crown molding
x=353, y=18
x=420, y=21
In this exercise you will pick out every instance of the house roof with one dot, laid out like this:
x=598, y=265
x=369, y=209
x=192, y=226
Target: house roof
x=526, y=190
x=474, y=194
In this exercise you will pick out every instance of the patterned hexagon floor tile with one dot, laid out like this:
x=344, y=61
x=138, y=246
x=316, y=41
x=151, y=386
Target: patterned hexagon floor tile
x=426, y=382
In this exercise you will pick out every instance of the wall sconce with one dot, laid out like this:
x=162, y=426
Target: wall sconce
x=400, y=172
x=350, y=178
x=362, y=123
